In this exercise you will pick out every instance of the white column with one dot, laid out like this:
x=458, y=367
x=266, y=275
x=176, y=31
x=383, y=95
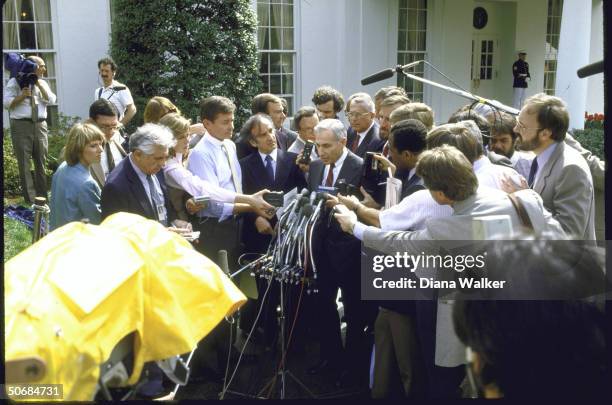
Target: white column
x=574, y=49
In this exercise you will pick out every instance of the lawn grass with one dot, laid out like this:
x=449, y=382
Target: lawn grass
x=17, y=236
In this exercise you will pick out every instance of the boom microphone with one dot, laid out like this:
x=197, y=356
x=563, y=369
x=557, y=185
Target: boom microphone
x=376, y=77
x=590, y=70
x=387, y=73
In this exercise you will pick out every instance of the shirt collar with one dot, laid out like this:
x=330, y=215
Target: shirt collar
x=141, y=175
x=545, y=155
x=272, y=154
x=211, y=139
x=113, y=84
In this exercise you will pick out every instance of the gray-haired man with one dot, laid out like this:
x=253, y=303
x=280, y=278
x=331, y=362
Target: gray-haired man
x=137, y=184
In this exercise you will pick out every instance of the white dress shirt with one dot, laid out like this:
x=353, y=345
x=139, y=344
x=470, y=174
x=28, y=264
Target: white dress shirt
x=337, y=168
x=208, y=161
x=490, y=174
x=413, y=211
x=23, y=110
x=121, y=99
x=117, y=157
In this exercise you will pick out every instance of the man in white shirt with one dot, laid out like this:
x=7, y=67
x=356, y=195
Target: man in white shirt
x=27, y=107
x=114, y=91
x=103, y=114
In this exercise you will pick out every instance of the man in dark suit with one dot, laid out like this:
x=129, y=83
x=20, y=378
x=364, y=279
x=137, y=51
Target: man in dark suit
x=272, y=105
x=337, y=260
x=273, y=169
x=362, y=135
x=137, y=184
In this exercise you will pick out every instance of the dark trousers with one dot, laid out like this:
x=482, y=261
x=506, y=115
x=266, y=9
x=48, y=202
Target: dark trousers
x=30, y=142
x=442, y=382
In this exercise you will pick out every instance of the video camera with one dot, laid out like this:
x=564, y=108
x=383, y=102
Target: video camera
x=21, y=68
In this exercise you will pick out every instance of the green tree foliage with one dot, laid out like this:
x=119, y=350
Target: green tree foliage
x=186, y=50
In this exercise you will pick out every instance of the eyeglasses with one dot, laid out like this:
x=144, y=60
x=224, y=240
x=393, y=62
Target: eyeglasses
x=520, y=126
x=355, y=114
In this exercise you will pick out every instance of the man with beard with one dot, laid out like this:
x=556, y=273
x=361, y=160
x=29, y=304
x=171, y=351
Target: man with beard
x=558, y=173
x=503, y=142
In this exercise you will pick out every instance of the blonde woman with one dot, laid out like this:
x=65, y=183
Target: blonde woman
x=75, y=195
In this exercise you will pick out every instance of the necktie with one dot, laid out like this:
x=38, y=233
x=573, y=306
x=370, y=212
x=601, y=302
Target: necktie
x=156, y=200
x=269, y=170
x=109, y=157
x=34, y=104
x=532, y=172
x=329, y=181
x=237, y=185
x=355, y=144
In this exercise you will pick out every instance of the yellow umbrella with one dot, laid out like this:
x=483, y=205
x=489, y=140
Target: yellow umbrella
x=74, y=294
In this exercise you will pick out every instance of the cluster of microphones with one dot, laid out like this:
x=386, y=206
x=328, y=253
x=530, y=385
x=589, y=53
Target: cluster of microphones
x=289, y=258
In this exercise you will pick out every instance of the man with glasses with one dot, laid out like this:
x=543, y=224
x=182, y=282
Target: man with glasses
x=387, y=106
x=104, y=115
x=362, y=135
x=558, y=173
x=27, y=107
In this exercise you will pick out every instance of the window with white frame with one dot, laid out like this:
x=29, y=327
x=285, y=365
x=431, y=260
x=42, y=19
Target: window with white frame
x=553, y=29
x=412, y=43
x=27, y=29
x=276, y=47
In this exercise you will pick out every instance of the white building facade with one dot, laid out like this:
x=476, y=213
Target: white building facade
x=308, y=43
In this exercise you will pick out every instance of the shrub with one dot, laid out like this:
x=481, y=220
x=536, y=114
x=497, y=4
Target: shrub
x=591, y=139
x=185, y=51
x=12, y=185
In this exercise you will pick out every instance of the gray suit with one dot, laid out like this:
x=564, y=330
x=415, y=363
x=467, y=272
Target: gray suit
x=487, y=201
x=96, y=170
x=598, y=171
x=566, y=187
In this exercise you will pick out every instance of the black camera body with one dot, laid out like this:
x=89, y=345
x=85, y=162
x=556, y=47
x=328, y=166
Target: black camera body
x=26, y=79
x=307, y=152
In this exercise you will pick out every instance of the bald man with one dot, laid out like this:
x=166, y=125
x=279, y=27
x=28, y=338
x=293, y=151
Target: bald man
x=26, y=102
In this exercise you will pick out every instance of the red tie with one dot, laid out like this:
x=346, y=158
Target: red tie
x=329, y=181
x=355, y=144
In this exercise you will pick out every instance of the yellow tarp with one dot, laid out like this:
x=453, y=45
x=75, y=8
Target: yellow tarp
x=74, y=294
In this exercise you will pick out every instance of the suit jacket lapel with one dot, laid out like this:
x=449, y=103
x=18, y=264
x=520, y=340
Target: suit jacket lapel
x=282, y=169
x=361, y=150
x=347, y=170
x=259, y=171
x=97, y=173
x=316, y=174
x=540, y=185
x=120, y=148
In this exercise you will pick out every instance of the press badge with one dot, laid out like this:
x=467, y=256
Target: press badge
x=161, y=212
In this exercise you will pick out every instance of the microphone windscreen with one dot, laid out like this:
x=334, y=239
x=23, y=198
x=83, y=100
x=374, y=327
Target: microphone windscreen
x=222, y=260
x=590, y=70
x=307, y=210
x=376, y=77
